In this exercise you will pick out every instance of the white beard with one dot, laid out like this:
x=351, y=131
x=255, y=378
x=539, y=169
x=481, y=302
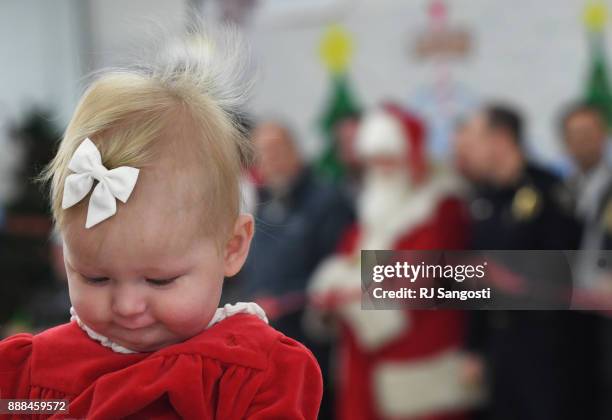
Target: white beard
x=383, y=195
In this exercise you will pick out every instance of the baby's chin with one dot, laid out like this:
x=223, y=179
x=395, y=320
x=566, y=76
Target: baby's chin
x=146, y=345
x=149, y=339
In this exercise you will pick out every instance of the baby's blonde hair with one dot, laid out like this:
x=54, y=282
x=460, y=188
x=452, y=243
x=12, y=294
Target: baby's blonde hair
x=201, y=80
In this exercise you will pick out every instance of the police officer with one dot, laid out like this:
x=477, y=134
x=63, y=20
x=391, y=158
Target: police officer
x=584, y=132
x=526, y=204
x=516, y=205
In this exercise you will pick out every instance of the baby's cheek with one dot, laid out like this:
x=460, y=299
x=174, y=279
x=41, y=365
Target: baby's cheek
x=189, y=311
x=91, y=304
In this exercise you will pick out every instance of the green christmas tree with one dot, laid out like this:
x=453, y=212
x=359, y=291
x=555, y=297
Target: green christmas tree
x=598, y=91
x=335, y=51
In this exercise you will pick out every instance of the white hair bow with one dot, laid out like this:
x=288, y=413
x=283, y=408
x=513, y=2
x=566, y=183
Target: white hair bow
x=114, y=183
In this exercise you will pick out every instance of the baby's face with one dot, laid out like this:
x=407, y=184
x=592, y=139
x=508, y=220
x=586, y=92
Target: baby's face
x=145, y=278
x=142, y=296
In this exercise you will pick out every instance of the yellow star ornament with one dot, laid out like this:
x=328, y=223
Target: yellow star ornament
x=336, y=49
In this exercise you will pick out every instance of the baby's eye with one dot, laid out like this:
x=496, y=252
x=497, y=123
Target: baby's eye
x=96, y=280
x=161, y=282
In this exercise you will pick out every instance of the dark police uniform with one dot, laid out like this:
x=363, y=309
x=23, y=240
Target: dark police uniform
x=601, y=228
x=535, y=213
x=533, y=369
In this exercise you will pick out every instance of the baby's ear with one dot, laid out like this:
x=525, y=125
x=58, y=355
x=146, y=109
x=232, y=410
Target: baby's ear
x=237, y=248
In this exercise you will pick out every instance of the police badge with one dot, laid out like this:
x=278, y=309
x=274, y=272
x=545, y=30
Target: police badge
x=526, y=203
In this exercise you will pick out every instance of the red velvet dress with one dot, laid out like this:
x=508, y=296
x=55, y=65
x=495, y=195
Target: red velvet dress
x=239, y=368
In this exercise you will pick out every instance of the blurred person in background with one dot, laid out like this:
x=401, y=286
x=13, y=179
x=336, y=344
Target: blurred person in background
x=527, y=202
x=299, y=220
x=470, y=161
x=25, y=231
x=585, y=137
x=400, y=364
x=48, y=305
x=531, y=362
x=584, y=133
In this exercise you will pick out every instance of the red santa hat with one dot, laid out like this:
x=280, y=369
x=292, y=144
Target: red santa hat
x=392, y=131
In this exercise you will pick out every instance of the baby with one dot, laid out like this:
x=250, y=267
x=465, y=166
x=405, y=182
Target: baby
x=145, y=192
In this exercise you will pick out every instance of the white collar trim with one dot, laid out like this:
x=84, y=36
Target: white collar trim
x=220, y=314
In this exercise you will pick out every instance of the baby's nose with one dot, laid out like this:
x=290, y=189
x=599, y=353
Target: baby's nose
x=128, y=302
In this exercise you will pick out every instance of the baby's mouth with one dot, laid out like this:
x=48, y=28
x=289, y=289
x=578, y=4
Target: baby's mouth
x=132, y=338
x=131, y=329
x=136, y=339
x=132, y=326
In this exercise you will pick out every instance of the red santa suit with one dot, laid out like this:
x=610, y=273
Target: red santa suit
x=238, y=368
x=398, y=364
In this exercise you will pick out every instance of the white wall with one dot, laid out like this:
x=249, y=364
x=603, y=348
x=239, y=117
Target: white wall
x=40, y=43
x=531, y=53
x=119, y=27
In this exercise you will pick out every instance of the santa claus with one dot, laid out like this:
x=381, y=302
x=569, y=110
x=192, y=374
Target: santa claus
x=396, y=364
